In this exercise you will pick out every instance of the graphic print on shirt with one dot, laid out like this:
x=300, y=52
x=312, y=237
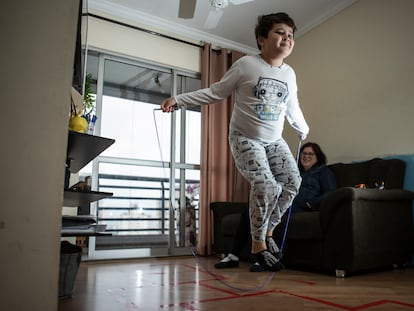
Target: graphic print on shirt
x=271, y=94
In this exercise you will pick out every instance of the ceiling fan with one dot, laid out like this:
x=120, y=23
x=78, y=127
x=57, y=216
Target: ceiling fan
x=187, y=8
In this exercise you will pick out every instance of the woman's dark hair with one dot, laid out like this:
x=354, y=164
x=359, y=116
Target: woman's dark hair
x=320, y=156
x=266, y=22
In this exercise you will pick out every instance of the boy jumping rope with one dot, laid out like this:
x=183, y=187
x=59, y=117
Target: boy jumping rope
x=265, y=95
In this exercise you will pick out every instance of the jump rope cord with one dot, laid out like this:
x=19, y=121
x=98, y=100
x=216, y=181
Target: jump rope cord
x=282, y=244
x=191, y=247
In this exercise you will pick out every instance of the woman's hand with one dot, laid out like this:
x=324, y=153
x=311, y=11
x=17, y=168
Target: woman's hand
x=169, y=105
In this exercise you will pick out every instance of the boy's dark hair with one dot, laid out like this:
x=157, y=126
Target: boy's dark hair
x=266, y=22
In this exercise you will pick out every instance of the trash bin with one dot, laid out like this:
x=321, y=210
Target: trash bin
x=70, y=258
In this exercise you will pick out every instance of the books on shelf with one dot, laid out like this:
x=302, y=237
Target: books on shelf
x=80, y=224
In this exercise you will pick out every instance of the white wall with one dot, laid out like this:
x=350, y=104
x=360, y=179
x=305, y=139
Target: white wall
x=354, y=71
x=134, y=43
x=38, y=41
x=356, y=75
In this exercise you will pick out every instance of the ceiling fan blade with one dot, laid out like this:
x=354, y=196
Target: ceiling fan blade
x=237, y=2
x=186, y=8
x=213, y=19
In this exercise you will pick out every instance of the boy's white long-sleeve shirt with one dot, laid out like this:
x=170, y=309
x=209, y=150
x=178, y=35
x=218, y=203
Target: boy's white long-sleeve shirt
x=264, y=97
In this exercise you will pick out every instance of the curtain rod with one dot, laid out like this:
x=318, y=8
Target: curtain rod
x=141, y=29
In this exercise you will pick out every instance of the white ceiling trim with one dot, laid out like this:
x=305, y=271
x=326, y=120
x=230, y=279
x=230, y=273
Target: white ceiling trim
x=164, y=25
x=168, y=27
x=322, y=18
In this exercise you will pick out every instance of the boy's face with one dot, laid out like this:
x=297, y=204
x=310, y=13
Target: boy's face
x=279, y=39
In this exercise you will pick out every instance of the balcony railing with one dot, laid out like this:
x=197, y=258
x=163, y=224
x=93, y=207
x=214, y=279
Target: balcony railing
x=140, y=205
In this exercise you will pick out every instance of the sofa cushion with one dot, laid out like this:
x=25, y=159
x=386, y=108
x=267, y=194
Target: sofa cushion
x=302, y=226
x=389, y=171
x=229, y=224
x=409, y=169
x=350, y=174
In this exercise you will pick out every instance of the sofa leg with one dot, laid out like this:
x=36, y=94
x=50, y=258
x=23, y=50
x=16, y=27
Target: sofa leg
x=340, y=273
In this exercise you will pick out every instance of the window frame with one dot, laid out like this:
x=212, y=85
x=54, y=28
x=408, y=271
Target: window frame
x=174, y=166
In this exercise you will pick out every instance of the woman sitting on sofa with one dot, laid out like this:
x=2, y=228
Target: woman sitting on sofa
x=317, y=181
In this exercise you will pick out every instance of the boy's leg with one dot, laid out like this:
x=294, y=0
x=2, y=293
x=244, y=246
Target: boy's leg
x=286, y=172
x=251, y=160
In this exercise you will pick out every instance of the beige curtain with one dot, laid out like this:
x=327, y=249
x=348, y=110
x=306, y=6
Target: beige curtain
x=220, y=180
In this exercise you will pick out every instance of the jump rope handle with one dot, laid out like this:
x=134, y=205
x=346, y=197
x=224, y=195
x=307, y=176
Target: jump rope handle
x=175, y=108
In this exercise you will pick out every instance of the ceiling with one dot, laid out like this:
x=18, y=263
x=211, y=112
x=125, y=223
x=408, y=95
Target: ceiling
x=235, y=29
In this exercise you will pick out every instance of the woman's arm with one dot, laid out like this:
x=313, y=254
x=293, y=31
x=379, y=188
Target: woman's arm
x=327, y=184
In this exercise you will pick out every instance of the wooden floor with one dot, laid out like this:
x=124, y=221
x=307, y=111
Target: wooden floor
x=189, y=283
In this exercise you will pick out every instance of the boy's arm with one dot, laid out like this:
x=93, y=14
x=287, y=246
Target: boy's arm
x=297, y=121
x=294, y=114
x=217, y=92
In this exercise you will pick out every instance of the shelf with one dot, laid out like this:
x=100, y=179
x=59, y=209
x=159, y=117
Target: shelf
x=84, y=225
x=78, y=220
x=83, y=148
x=82, y=198
x=73, y=233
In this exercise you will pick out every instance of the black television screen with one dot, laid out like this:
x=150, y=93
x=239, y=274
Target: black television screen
x=78, y=66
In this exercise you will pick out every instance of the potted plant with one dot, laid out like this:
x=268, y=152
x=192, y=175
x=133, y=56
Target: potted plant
x=88, y=98
x=89, y=104
x=84, y=121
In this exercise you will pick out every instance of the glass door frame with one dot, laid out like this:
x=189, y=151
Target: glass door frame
x=173, y=249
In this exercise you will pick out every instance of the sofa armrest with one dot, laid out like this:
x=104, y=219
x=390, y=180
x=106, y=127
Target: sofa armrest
x=336, y=199
x=226, y=217
x=221, y=209
x=351, y=193
x=346, y=197
x=366, y=228
x=395, y=195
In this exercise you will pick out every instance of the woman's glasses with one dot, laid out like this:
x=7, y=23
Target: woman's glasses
x=307, y=153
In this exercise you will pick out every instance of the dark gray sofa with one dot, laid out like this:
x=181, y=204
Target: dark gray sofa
x=355, y=230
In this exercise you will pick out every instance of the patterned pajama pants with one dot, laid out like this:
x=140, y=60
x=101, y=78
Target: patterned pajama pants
x=274, y=179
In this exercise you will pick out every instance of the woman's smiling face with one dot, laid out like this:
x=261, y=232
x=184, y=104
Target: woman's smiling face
x=308, y=158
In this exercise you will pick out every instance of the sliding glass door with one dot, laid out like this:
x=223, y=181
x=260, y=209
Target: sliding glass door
x=152, y=169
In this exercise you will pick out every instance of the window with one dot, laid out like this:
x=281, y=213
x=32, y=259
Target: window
x=154, y=163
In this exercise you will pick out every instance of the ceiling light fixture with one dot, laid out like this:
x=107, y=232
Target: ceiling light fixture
x=219, y=4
